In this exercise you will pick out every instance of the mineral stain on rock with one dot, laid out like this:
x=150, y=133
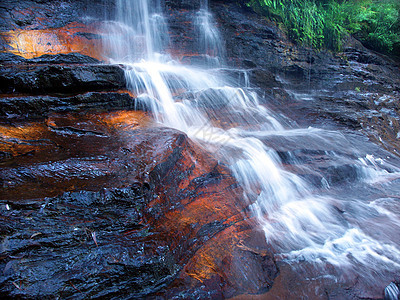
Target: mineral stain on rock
x=74, y=37
x=99, y=205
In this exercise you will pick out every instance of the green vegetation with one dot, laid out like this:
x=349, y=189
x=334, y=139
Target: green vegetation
x=324, y=24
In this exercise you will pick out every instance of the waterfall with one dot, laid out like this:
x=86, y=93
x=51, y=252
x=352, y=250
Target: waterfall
x=139, y=31
x=303, y=220
x=209, y=38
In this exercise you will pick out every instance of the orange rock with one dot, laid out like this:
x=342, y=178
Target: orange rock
x=194, y=208
x=74, y=37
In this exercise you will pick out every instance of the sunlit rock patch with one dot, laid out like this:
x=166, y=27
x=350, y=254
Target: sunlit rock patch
x=33, y=28
x=64, y=150
x=73, y=38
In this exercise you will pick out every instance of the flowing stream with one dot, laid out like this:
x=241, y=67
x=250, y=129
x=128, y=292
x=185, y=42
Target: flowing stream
x=325, y=197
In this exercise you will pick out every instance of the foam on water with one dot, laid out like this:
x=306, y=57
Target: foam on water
x=302, y=221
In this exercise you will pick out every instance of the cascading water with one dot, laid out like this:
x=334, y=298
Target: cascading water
x=138, y=32
x=303, y=218
x=208, y=36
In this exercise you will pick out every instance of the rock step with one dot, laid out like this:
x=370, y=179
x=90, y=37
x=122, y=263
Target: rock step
x=56, y=78
x=38, y=106
x=100, y=197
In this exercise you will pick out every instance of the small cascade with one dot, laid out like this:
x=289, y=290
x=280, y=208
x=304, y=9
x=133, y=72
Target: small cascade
x=209, y=39
x=310, y=218
x=139, y=31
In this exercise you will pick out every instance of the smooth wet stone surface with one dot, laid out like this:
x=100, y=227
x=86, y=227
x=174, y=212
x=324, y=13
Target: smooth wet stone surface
x=31, y=107
x=33, y=88
x=102, y=205
x=45, y=79
x=34, y=28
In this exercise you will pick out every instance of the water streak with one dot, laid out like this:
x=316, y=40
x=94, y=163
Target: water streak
x=322, y=220
x=139, y=31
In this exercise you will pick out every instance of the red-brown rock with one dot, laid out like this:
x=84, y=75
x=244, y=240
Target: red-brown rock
x=99, y=205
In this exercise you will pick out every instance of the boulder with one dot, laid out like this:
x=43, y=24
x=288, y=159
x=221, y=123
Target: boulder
x=99, y=205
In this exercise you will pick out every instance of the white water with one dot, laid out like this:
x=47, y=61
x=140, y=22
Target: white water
x=355, y=225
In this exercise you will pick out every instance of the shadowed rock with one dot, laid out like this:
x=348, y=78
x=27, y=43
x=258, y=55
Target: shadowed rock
x=47, y=83
x=352, y=89
x=45, y=79
x=40, y=106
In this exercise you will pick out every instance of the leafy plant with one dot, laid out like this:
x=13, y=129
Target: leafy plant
x=375, y=23
x=323, y=24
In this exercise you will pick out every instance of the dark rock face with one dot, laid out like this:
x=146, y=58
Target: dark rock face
x=71, y=58
x=92, y=206
x=38, y=106
x=33, y=28
x=76, y=253
x=37, y=14
x=183, y=4
x=357, y=88
x=62, y=73
x=45, y=79
x=32, y=88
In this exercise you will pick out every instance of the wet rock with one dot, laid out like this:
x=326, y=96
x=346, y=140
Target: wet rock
x=312, y=159
x=33, y=28
x=95, y=207
x=45, y=79
x=364, y=56
x=70, y=250
x=70, y=58
x=183, y=4
x=322, y=88
x=144, y=102
x=211, y=99
x=72, y=38
x=236, y=261
x=252, y=42
x=37, y=14
x=266, y=79
x=49, y=81
x=30, y=107
x=10, y=58
x=182, y=29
